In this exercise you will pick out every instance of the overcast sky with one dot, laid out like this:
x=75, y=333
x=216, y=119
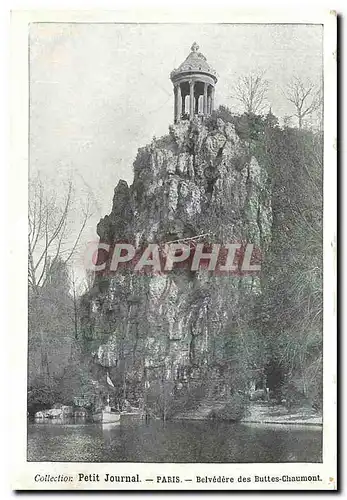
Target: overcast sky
x=98, y=92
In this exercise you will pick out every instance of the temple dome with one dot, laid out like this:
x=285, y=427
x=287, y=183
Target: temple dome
x=195, y=63
x=194, y=87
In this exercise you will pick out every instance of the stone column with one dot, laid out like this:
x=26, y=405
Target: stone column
x=212, y=99
x=205, y=99
x=178, y=103
x=175, y=103
x=191, y=100
x=196, y=104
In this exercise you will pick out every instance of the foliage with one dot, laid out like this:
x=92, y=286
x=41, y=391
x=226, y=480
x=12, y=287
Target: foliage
x=292, y=397
x=57, y=370
x=42, y=395
x=75, y=381
x=51, y=328
x=248, y=126
x=159, y=398
x=292, y=297
x=287, y=325
x=222, y=112
x=233, y=411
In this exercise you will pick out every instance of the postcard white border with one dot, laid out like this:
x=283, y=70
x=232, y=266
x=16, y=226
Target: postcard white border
x=23, y=472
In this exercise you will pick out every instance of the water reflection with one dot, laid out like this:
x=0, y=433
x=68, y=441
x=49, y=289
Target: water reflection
x=61, y=420
x=172, y=442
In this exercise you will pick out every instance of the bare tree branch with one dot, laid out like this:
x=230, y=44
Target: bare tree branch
x=251, y=91
x=48, y=224
x=87, y=216
x=305, y=96
x=50, y=238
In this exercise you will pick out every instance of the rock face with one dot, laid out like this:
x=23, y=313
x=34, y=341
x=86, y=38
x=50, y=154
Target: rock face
x=195, y=181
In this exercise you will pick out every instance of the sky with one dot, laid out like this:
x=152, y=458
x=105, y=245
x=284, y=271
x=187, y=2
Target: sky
x=98, y=92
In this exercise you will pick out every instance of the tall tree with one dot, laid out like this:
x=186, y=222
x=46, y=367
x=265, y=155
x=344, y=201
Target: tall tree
x=306, y=98
x=50, y=236
x=251, y=91
x=293, y=296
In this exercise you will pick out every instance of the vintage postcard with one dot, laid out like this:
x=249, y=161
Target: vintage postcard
x=174, y=237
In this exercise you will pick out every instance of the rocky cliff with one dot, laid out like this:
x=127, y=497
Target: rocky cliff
x=197, y=182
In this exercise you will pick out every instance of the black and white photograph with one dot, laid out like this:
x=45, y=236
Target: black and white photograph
x=175, y=253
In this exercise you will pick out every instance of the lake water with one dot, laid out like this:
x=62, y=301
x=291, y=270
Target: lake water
x=181, y=441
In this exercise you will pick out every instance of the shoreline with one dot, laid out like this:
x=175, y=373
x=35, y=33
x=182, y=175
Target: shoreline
x=297, y=422
x=263, y=413
x=283, y=422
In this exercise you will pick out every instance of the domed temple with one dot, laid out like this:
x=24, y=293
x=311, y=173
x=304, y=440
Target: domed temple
x=194, y=83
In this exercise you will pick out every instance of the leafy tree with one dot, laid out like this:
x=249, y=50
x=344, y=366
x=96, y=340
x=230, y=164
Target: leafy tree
x=41, y=395
x=292, y=300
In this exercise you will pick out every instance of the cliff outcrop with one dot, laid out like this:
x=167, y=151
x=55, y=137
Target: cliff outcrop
x=197, y=182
